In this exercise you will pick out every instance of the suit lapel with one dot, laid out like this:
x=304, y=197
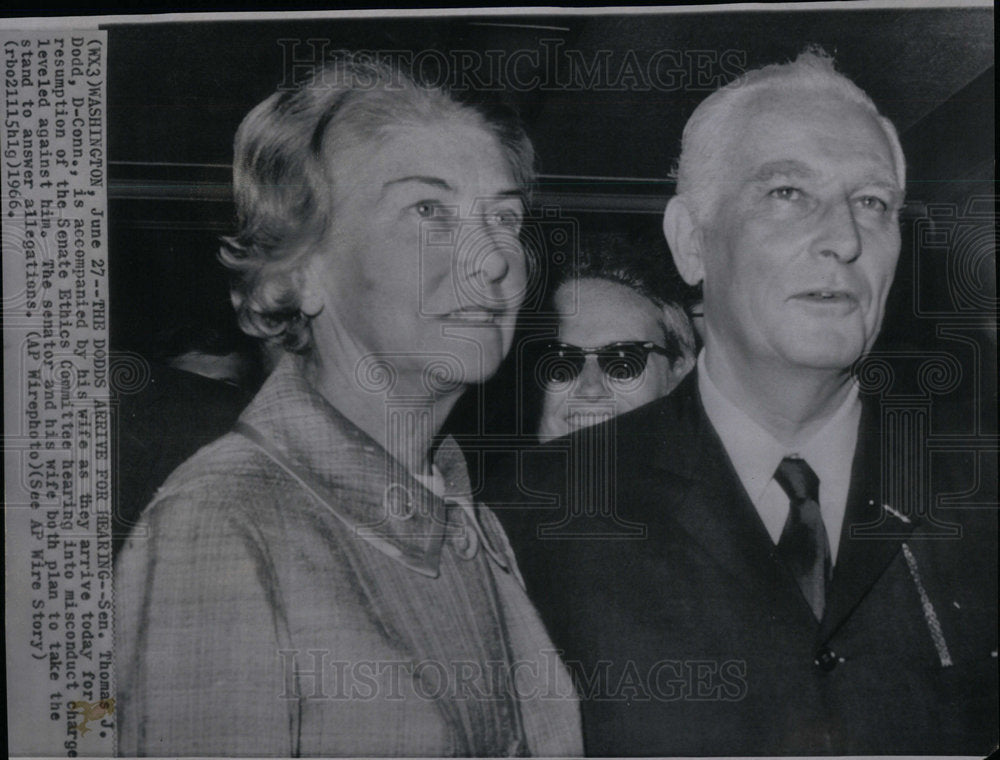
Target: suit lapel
x=705, y=498
x=872, y=535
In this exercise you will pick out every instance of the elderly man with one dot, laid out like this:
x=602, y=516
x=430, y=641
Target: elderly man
x=775, y=603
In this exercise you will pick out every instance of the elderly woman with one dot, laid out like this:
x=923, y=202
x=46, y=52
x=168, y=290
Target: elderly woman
x=624, y=338
x=319, y=581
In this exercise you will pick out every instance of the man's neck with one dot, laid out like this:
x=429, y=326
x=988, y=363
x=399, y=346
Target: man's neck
x=789, y=404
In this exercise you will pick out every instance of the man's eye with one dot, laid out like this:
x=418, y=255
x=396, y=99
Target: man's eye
x=425, y=209
x=786, y=193
x=873, y=203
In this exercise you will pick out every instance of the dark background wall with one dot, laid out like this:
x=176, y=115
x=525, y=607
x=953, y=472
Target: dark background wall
x=605, y=98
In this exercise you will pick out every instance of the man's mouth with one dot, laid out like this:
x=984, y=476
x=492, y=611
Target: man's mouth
x=826, y=296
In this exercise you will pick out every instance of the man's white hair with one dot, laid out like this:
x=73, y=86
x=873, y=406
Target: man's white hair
x=714, y=125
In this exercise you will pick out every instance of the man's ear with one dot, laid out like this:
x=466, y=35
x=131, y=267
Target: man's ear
x=684, y=238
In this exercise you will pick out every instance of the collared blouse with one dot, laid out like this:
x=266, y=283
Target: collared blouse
x=294, y=591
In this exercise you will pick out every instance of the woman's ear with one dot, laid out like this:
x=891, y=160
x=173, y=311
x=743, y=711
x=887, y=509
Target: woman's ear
x=307, y=281
x=684, y=238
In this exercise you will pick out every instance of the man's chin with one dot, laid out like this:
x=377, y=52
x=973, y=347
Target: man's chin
x=832, y=353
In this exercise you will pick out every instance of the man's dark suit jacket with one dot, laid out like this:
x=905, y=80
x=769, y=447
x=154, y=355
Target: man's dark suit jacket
x=693, y=639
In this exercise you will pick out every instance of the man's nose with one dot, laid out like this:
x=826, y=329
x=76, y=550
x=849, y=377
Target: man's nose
x=590, y=384
x=838, y=234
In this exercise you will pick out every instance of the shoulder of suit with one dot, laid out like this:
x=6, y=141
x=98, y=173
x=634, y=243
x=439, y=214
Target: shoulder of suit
x=665, y=421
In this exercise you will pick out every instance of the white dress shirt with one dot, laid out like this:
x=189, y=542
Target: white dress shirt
x=756, y=454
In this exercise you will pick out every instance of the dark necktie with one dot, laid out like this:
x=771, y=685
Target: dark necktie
x=803, y=545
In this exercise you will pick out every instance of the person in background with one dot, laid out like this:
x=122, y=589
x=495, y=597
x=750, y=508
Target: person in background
x=320, y=581
x=623, y=340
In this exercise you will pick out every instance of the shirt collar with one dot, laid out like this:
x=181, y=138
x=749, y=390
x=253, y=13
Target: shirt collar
x=830, y=452
x=756, y=454
x=352, y=475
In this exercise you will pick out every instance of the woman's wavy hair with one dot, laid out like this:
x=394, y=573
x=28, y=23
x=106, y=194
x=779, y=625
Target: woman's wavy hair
x=283, y=186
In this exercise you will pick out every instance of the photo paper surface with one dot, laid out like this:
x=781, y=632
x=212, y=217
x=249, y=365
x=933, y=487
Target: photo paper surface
x=126, y=353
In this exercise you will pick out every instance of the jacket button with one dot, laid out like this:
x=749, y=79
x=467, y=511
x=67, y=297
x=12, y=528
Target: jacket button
x=826, y=659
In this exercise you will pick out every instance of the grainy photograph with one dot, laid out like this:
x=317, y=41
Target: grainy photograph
x=561, y=383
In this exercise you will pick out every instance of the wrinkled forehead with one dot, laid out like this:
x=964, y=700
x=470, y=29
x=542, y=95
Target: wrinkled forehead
x=364, y=126
x=818, y=132
x=457, y=155
x=371, y=118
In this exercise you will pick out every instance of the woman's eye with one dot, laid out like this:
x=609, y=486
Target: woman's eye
x=786, y=193
x=425, y=209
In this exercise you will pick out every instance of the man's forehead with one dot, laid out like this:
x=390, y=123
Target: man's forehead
x=805, y=136
x=872, y=168
x=787, y=167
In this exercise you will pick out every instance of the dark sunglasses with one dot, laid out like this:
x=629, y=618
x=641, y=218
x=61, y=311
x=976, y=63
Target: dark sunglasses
x=621, y=361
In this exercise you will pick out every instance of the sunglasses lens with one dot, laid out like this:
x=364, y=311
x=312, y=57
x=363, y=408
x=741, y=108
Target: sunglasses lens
x=560, y=367
x=623, y=363
x=620, y=362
